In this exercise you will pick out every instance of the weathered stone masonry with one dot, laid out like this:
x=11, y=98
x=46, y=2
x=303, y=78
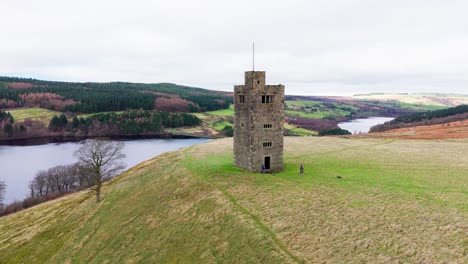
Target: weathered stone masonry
x=258, y=124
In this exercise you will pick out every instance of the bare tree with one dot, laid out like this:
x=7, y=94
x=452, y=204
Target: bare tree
x=104, y=157
x=2, y=192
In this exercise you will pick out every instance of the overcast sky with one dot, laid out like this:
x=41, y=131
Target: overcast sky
x=313, y=47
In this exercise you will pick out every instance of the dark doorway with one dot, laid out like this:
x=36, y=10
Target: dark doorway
x=267, y=163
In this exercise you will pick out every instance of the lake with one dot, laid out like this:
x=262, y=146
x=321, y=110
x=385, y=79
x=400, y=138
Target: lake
x=19, y=164
x=363, y=125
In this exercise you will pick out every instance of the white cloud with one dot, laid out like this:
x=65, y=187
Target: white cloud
x=313, y=47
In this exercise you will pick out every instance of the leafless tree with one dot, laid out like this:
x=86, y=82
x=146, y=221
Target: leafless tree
x=104, y=157
x=2, y=192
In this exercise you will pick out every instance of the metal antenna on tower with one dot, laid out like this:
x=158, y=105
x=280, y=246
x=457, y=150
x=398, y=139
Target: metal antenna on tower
x=253, y=56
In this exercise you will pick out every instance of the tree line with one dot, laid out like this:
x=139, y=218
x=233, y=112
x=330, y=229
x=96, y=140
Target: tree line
x=8, y=127
x=132, y=122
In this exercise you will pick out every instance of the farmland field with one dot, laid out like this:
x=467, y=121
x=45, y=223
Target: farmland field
x=223, y=112
x=394, y=201
x=37, y=114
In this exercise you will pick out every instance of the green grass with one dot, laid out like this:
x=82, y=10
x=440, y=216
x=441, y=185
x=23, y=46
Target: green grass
x=318, y=114
x=88, y=115
x=318, y=109
x=416, y=107
x=396, y=201
x=36, y=114
x=297, y=131
x=317, y=104
x=221, y=124
x=223, y=112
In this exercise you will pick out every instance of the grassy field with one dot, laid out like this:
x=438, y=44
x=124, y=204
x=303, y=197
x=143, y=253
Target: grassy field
x=221, y=124
x=223, y=112
x=297, y=131
x=396, y=201
x=37, y=114
x=317, y=109
x=88, y=115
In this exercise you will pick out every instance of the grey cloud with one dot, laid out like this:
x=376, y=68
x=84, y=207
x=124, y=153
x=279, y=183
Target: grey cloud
x=313, y=47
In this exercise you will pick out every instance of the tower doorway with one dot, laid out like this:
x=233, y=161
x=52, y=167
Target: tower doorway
x=267, y=163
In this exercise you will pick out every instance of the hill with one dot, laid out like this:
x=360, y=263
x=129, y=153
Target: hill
x=458, y=113
x=92, y=97
x=395, y=202
x=435, y=99
x=451, y=130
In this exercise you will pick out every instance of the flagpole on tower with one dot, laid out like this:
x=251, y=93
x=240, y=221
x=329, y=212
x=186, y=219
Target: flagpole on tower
x=253, y=56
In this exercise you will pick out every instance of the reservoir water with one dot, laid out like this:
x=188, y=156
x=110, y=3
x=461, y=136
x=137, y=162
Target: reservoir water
x=363, y=125
x=19, y=164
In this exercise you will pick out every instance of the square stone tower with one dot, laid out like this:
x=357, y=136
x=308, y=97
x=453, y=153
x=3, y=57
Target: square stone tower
x=258, y=124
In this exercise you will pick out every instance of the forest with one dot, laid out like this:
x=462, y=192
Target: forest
x=93, y=97
x=132, y=122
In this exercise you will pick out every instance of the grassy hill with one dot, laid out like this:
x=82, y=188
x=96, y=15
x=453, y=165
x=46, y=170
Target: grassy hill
x=395, y=201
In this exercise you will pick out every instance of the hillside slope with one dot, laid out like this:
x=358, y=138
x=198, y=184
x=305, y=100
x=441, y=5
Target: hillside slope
x=451, y=130
x=91, y=97
x=395, y=201
x=442, y=116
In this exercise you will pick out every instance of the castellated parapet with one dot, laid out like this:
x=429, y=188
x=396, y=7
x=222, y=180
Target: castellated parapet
x=258, y=124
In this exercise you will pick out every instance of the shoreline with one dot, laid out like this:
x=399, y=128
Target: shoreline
x=33, y=141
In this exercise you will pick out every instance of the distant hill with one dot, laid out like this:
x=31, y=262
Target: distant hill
x=458, y=113
x=91, y=97
x=393, y=201
x=437, y=99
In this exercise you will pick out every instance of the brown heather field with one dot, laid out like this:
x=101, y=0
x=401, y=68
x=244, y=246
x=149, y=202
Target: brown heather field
x=452, y=130
x=397, y=201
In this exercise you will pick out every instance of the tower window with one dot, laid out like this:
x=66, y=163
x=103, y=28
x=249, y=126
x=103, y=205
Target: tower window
x=258, y=82
x=266, y=144
x=241, y=99
x=267, y=125
x=267, y=99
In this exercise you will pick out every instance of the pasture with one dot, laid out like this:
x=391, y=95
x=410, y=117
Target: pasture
x=394, y=201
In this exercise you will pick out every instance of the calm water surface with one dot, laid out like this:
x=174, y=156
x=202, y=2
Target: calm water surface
x=18, y=164
x=363, y=125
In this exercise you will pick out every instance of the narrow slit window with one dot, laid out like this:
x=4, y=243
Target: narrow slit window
x=267, y=125
x=267, y=144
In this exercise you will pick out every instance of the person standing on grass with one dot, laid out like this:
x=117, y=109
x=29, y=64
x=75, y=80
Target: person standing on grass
x=301, y=169
x=263, y=169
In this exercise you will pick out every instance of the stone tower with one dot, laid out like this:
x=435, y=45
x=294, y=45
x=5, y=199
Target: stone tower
x=258, y=124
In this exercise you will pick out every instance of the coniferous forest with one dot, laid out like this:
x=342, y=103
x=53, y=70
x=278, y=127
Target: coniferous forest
x=104, y=97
